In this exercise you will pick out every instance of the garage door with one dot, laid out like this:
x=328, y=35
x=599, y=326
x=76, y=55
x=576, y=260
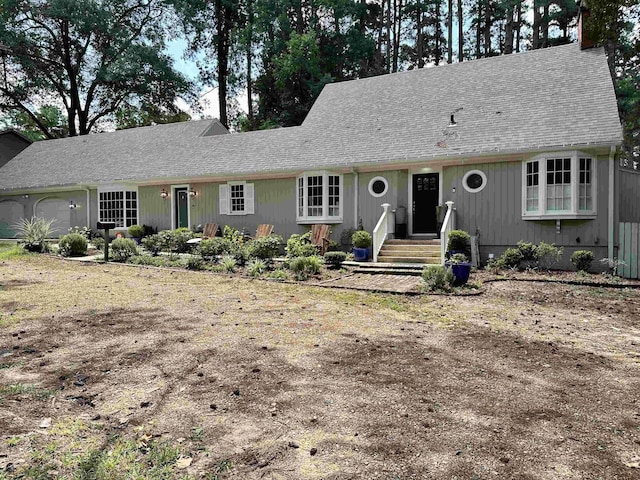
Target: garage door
x=10, y=213
x=58, y=209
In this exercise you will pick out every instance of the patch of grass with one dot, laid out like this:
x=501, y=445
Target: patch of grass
x=23, y=389
x=11, y=250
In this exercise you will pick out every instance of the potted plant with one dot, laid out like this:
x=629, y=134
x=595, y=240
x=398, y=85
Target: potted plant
x=136, y=232
x=461, y=268
x=361, y=241
x=458, y=241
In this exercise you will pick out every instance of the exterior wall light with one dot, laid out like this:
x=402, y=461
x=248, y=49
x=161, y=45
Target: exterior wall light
x=25, y=196
x=73, y=205
x=193, y=193
x=164, y=193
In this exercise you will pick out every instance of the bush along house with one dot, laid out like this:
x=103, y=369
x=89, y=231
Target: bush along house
x=517, y=147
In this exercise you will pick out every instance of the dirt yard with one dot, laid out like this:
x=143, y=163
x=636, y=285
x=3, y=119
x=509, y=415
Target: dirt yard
x=109, y=370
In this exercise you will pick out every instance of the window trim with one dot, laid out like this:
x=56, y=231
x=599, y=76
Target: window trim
x=374, y=180
x=573, y=213
x=324, y=218
x=474, y=172
x=244, y=198
x=124, y=189
x=249, y=200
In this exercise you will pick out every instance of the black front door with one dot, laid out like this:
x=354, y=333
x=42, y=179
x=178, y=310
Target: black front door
x=425, y=200
x=182, y=207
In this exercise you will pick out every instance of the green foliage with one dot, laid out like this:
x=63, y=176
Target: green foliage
x=9, y=251
x=528, y=251
x=136, y=231
x=50, y=116
x=175, y=240
x=86, y=232
x=210, y=248
x=511, y=258
x=303, y=267
x=233, y=235
x=153, y=261
x=153, y=244
x=112, y=53
x=145, y=114
x=278, y=274
x=548, y=255
x=72, y=245
x=335, y=259
x=228, y=263
x=437, y=278
x=34, y=232
x=300, y=246
x=582, y=260
x=98, y=242
x=121, y=249
x=458, y=258
x=459, y=241
x=256, y=267
x=361, y=239
x=194, y=263
x=265, y=247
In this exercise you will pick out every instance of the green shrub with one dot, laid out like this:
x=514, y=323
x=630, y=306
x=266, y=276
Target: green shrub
x=233, y=235
x=241, y=254
x=334, y=246
x=86, y=232
x=148, y=260
x=34, y=232
x=256, y=267
x=278, y=274
x=457, y=258
x=511, y=258
x=528, y=251
x=335, y=259
x=122, y=249
x=194, y=263
x=209, y=248
x=459, y=241
x=582, y=260
x=300, y=246
x=72, y=245
x=176, y=240
x=303, y=267
x=361, y=239
x=98, y=242
x=228, y=264
x=264, y=247
x=153, y=244
x=136, y=231
x=548, y=255
x=437, y=278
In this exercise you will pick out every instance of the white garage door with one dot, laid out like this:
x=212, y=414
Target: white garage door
x=10, y=213
x=58, y=209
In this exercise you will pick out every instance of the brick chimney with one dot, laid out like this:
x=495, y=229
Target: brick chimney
x=583, y=37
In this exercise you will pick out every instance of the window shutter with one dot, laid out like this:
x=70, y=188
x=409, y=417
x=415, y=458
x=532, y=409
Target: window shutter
x=248, y=199
x=224, y=199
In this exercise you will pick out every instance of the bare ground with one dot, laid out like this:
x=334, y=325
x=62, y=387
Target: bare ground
x=527, y=380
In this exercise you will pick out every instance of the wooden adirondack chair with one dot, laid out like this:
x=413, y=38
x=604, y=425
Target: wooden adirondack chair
x=210, y=230
x=320, y=234
x=264, y=230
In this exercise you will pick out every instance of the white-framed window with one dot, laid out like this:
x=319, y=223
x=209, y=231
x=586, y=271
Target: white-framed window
x=118, y=205
x=319, y=197
x=559, y=185
x=474, y=181
x=236, y=198
x=378, y=186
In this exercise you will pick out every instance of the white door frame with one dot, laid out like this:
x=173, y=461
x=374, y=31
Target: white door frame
x=174, y=199
x=416, y=171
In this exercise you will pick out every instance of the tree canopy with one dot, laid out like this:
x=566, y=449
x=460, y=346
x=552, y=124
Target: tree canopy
x=90, y=57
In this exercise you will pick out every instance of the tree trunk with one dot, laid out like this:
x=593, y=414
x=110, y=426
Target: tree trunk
x=508, y=31
x=536, y=25
x=545, y=26
x=438, y=44
x=478, y=28
x=388, y=52
x=460, y=32
x=397, y=32
x=450, y=31
x=487, y=28
x=419, y=37
x=518, y=24
x=222, y=51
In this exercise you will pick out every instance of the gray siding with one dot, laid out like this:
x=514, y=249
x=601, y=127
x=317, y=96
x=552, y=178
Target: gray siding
x=370, y=207
x=77, y=216
x=629, y=195
x=495, y=213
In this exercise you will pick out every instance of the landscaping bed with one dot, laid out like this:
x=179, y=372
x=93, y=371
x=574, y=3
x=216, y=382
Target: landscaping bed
x=106, y=369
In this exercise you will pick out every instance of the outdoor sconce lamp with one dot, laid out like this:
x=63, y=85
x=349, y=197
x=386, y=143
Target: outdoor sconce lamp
x=73, y=205
x=25, y=196
x=193, y=193
x=164, y=193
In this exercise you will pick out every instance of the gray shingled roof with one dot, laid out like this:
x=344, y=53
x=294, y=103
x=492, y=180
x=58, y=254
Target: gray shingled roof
x=551, y=98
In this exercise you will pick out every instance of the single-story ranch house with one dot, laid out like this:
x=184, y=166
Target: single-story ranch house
x=526, y=147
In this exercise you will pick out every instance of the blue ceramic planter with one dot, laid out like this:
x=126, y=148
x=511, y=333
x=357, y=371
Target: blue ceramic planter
x=361, y=254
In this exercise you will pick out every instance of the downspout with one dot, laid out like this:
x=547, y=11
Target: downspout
x=611, y=218
x=88, y=206
x=355, y=198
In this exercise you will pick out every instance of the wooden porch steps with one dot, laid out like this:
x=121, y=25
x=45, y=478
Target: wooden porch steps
x=410, y=251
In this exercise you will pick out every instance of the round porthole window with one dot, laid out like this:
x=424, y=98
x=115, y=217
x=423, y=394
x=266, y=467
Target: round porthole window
x=474, y=181
x=378, y=186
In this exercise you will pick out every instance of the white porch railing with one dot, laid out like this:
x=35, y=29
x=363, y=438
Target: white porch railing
x=381, y=232
x=448, y=225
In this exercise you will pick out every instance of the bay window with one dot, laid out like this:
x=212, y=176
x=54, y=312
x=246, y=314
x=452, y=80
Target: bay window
x=559, y=186
x=319, y=197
